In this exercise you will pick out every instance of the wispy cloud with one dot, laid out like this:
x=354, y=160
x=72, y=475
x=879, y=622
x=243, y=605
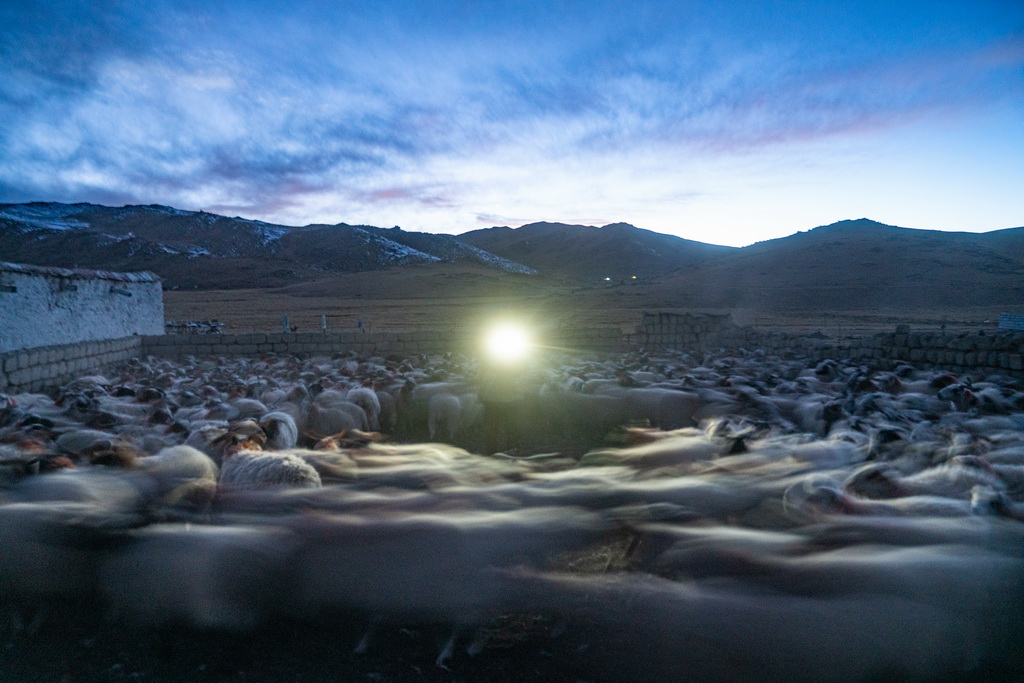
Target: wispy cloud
x=434, y=115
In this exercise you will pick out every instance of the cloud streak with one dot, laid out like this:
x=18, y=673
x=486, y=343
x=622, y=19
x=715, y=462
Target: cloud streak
x=324, y=113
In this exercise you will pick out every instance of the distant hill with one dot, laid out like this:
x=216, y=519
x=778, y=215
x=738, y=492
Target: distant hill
x=855, y=264
x=860, y=264
x=587, y=253
x=195, y=249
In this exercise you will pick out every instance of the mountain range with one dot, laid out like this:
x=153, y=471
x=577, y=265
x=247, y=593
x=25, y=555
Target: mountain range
x=854, y=263
x=200, y=250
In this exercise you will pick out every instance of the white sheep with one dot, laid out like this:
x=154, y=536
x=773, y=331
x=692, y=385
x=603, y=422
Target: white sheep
x=259, y=470
x=444, y=410
x=179, y=464
x=333, y=418
x=367, y=399
x=248, y=408
x=281, y=430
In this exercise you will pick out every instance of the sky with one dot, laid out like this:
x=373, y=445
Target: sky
x=727, y=122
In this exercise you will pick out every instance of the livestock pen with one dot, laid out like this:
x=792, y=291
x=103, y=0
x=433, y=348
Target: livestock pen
x=712, y=523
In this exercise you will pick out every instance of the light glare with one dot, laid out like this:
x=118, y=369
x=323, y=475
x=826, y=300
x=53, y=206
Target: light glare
x=507, y=342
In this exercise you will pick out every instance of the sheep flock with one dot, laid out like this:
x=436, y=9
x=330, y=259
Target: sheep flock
x=663, y=517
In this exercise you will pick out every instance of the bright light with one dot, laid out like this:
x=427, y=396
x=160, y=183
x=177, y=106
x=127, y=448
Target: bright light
x=507, y=342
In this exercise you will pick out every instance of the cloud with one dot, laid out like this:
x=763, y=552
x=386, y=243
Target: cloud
x=439, y=114
x=492, y=219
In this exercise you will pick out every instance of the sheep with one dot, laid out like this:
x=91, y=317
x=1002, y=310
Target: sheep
x=659, y=542
x=181, y=476
x=665, y=408
x=388, y=418
x=179, y=464
x=367, y=399
x=76, y=441
x=49, y=552
x=257, y=470
x=829, y=495
x=678, y=447
x=336, y=417
x=743, y=499
x=207, y=437
x=641, y=627
x=114, y=491
x=983, y=531
x=281, y=430
x=248, y=408
x=426, y=567
x=444, y=409
x=951, y=481
x=986, y=500
x=210, y=577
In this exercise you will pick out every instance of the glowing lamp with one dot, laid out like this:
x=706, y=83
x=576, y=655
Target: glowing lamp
x=507, y=343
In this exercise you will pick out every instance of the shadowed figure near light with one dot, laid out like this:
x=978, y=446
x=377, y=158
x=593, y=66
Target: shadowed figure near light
x=500, y=387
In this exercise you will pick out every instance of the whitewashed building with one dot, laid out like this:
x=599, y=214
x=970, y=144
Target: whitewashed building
x=43, y=306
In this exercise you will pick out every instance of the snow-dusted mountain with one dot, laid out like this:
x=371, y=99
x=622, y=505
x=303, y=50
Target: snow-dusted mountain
x=195, y=249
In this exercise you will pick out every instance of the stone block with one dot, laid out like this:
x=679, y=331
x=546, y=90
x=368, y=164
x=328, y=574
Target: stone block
x=1016, y=361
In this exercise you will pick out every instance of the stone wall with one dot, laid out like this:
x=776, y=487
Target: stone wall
x=376, y=343
x=42, y=307
x=982, y=353
x=298, y=344
x=33, y=370
x=685, y=331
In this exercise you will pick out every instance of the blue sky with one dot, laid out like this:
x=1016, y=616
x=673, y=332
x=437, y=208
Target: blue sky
x=724, y=122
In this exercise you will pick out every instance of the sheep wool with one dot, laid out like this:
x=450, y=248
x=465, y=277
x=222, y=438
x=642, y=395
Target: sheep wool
x=259, y=470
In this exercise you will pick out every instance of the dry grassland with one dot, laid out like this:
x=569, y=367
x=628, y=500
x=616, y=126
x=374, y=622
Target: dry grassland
x=455, y=297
